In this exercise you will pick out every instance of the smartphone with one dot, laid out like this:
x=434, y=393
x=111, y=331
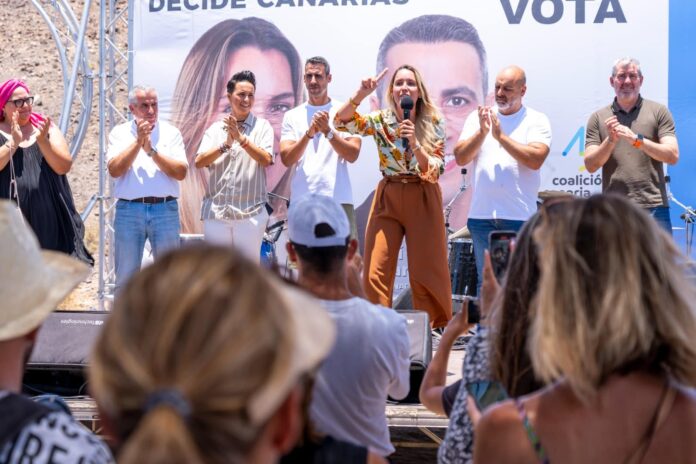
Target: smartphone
x=473, y=311
x=499, y=249
x=486, y=393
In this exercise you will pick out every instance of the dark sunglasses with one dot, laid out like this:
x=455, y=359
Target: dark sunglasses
x=21, y=101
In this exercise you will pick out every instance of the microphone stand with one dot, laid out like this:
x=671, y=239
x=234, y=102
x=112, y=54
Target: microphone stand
x=448, y=207
x=688, y=216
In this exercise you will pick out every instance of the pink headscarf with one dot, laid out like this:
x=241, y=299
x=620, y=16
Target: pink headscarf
x=7, y=88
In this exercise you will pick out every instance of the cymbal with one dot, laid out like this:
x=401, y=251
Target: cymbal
x=461, y=233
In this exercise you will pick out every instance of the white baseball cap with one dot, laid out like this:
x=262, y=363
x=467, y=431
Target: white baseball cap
x=317, y=221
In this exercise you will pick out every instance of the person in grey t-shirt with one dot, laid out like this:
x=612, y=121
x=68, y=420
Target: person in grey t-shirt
x=370, y=359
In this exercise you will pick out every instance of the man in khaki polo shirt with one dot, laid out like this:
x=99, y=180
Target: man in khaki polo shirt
x=629, y=140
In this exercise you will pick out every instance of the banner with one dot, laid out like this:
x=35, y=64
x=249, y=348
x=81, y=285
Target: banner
x=566, y=47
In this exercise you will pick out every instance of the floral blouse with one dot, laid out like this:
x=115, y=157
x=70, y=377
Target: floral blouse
x=383, y=127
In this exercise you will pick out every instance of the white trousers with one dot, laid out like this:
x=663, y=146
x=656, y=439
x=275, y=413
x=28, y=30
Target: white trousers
x=245, y=235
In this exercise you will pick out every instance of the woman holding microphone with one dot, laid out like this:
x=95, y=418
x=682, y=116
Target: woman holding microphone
x=410, y=139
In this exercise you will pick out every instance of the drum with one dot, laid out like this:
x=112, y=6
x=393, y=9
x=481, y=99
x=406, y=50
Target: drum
x=462, y=267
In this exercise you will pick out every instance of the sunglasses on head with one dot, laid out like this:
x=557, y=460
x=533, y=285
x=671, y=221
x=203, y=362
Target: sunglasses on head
x=19, y=102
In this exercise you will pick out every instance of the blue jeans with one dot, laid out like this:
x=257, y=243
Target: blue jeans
x=480, y=229
x=133, y=224
x=661, y=215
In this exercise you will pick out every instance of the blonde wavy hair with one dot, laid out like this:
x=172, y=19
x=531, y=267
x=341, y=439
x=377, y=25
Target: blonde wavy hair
x=426, y=112
x=613, y=297
x=203, y=321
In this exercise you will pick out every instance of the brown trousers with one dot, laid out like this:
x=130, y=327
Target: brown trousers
x=406, y=205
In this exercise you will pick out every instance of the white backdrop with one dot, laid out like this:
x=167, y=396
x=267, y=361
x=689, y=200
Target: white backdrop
x=568, y=61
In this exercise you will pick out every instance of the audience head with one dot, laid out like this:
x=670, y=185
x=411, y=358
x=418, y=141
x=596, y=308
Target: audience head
x=319, y=234
x=204, y=360
x=511, y=363
x=613, y=297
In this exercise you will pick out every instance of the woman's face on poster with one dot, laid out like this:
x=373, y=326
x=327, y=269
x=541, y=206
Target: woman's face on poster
x=274, y=93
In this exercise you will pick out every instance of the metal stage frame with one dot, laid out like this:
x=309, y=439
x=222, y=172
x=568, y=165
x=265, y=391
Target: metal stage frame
x=78, y=99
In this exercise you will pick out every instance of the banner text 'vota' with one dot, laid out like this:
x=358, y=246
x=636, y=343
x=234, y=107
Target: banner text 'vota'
x=192, y=5
x=551, y=11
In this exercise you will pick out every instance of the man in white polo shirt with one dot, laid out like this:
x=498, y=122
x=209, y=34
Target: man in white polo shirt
x=146, y=158
x=509, y=144
x=321, y=153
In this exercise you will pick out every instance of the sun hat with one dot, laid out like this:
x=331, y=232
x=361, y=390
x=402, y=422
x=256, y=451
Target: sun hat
x=312, y=331
x=32, y=281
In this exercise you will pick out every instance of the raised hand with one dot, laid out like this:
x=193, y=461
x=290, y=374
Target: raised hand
x=612, y=125
x=495, y=125
x=490, y=286
x=144, y=130
x=484, y=114
x=367, y=86
x=15, y=129
x=232, y=129
x=44, y=127
x=321, y=122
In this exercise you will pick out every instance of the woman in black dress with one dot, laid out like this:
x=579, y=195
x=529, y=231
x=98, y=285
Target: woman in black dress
x=34, y=158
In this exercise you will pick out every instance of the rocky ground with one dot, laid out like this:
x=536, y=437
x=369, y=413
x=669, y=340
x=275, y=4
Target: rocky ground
x=30, y=53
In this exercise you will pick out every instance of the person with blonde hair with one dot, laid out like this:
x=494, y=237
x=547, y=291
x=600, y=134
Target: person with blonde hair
x=204, y=360
x=408, y=200
x=613, y=329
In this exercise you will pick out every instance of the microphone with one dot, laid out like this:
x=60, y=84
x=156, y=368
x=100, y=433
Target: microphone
x=406, y=104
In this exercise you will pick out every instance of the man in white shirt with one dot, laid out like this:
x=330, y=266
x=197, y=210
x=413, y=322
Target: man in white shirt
x=146, y=158
x=370, y=359
x=509, y=144
x=321, y=153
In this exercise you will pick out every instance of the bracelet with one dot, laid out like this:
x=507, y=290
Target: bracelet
x=245, y=143
x=307, y=135
x=224, y=147
x=353, y=104
x=417, y=147
x=9, y=145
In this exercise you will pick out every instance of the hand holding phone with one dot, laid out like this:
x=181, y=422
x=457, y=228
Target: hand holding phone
x=486, y=393
x=499, y=246
x=473, y=310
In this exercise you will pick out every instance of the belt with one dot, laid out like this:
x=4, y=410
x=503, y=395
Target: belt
x=403, y=178
x=150, y=200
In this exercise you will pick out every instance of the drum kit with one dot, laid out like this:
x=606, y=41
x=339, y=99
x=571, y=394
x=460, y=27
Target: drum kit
x=462, y=263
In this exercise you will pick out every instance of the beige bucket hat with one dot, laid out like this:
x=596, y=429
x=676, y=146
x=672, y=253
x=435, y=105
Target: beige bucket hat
x=32, y=281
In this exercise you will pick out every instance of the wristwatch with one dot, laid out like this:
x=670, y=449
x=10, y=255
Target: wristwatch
x=330, y=135
x=638, y=142
x=152, y=152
